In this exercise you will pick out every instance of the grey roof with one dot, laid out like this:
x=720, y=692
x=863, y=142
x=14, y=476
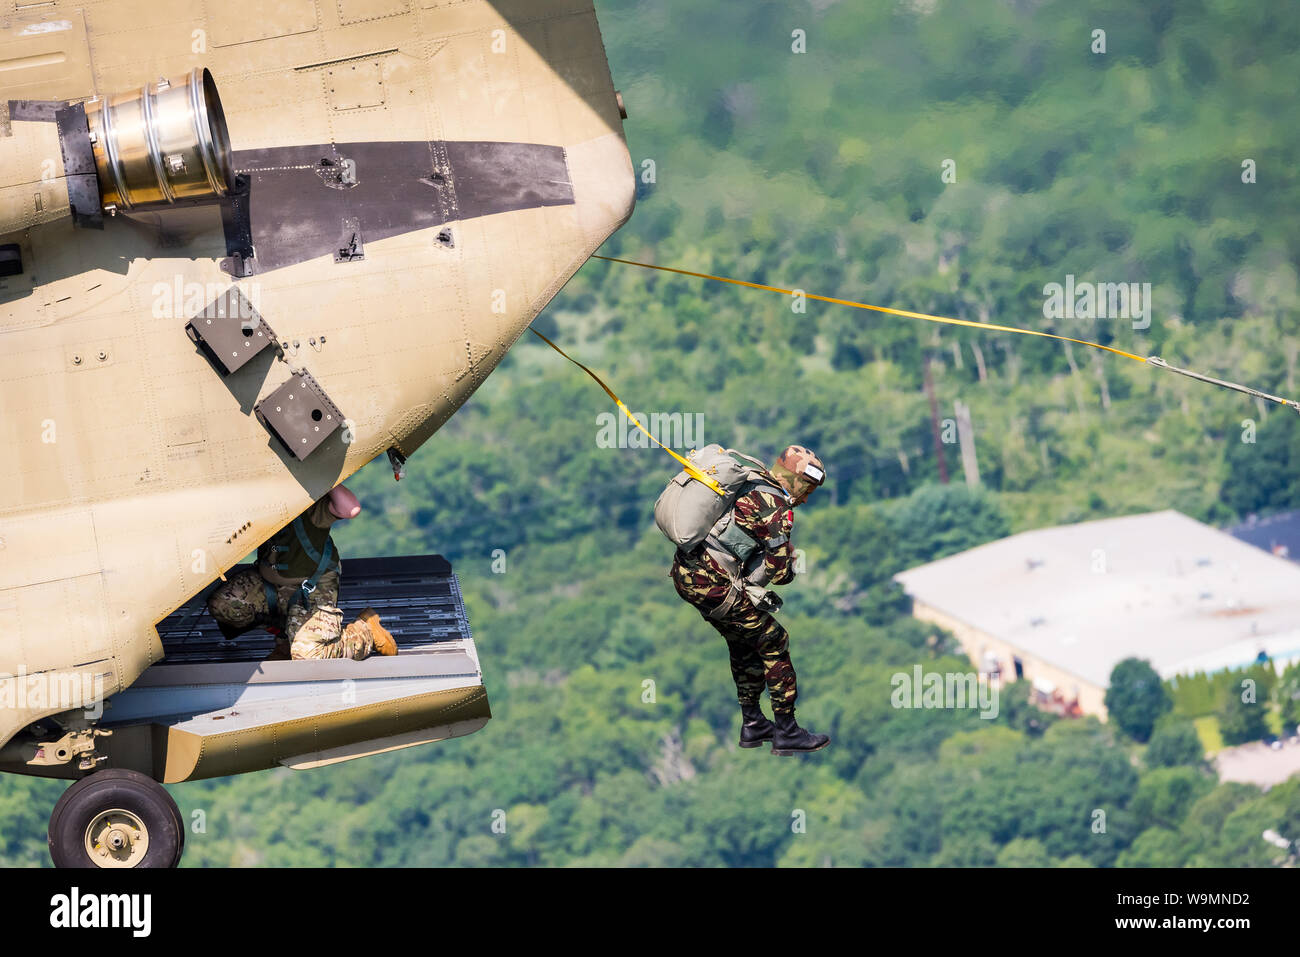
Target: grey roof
x=1159, y=586
x=1280, y=531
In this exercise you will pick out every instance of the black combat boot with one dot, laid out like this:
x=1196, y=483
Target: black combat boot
x=792, y=739
x=754, y=726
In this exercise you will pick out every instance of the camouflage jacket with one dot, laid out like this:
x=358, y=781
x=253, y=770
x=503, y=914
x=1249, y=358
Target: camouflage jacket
x=763, y=515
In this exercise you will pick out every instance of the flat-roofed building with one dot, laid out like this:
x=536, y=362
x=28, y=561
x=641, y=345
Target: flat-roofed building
x=1062, y=606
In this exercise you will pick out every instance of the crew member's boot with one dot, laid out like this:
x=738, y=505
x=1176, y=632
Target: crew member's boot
x=385, y=644
x=792, y=739
x=754, y=726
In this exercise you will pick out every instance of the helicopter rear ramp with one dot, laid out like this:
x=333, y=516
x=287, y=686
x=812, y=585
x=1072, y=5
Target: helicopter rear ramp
x=215, y=707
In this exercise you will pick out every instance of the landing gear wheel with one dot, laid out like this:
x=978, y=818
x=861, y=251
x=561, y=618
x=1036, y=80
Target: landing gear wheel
x=116, y=818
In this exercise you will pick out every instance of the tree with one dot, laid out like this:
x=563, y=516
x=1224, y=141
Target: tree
x=1174, y=742
x=939, y=520
x=1155, y=847
x=1261, y=476
x=1287, y=693
x=1017, y=711
x=1136, y=698
x=1164, y=796
x=1024, y=852
x=1242, y=712
x=966, y=850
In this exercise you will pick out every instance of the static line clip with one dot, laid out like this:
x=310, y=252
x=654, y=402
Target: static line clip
x=1162, y=364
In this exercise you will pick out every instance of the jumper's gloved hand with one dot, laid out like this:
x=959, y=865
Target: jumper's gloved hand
x=763, y=599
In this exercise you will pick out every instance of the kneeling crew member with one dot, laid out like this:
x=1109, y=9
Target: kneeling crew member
x=713, y=578
x=293, y=591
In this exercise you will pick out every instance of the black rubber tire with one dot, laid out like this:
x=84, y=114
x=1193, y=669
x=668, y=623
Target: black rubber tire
x=61, y=804
x=103, y=791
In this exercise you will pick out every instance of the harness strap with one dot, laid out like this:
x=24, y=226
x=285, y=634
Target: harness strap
x=749, y=458
x=727, y=525
x=729, y=602
x=307, y=587
x=757, y=577
x=305, y=542
x=732, y=568
x=324, y=563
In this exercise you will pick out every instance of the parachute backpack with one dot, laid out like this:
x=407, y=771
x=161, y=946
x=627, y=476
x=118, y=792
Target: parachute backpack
x=687, y=509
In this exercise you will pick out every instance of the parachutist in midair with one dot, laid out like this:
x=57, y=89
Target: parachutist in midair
x=726, y=575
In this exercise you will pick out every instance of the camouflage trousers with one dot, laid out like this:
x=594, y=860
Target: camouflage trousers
x=759, y=647
x=311, y=628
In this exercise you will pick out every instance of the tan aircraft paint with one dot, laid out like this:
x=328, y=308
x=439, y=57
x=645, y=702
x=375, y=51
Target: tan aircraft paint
x=131, y=474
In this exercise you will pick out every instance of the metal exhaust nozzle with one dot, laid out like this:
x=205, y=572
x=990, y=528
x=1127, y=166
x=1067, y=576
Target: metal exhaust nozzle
x=164, y=143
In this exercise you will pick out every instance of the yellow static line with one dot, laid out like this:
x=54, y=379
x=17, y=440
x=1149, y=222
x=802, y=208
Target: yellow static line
x=691, y=470
x=862, y=305
x=711, y=483
x=1147, y=360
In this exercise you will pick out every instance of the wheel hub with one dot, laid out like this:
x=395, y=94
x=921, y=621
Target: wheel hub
x=116, y=838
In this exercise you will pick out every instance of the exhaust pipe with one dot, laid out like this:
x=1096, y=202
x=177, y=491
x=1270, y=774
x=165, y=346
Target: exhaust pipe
x=162, y=144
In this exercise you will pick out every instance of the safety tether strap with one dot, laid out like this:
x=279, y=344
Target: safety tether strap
x=324, y=562
x=691, y=470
